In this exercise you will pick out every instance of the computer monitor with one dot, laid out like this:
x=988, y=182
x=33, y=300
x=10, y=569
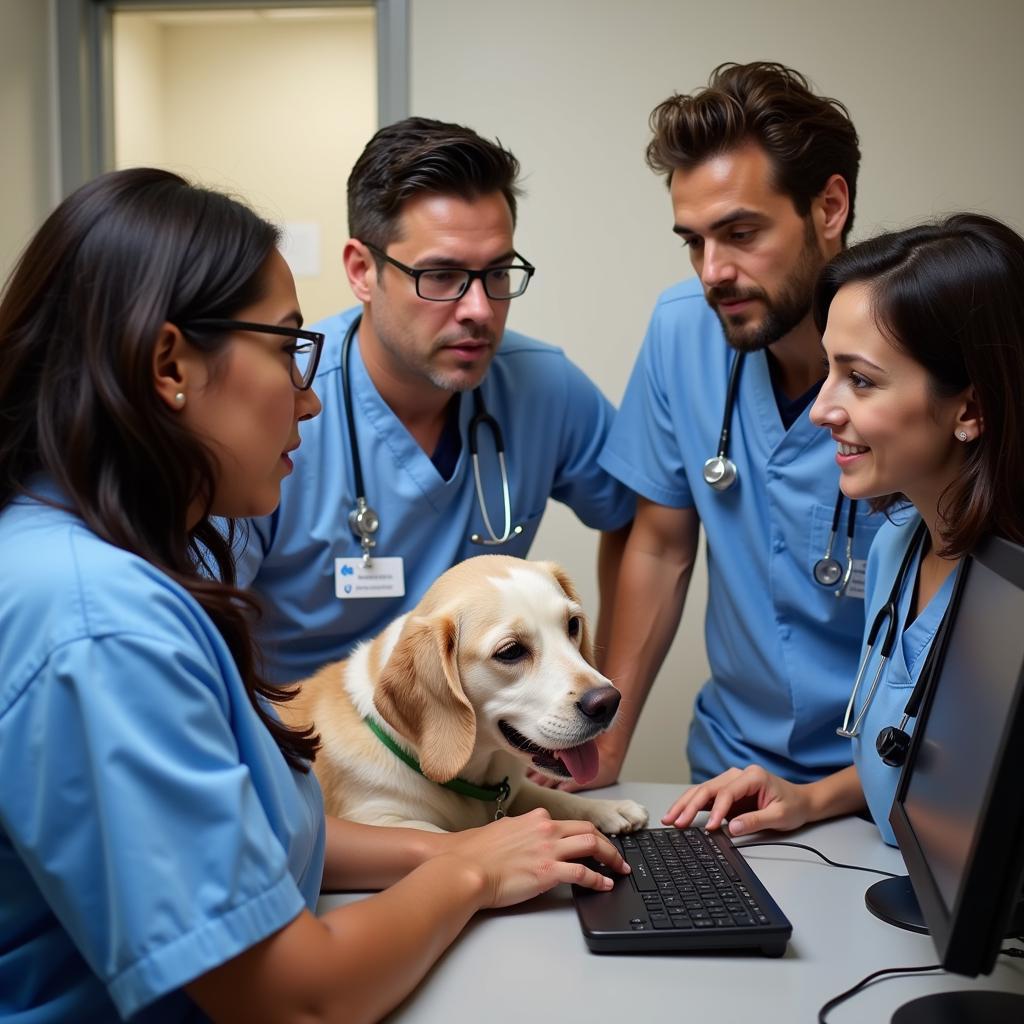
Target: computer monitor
x=958, y=814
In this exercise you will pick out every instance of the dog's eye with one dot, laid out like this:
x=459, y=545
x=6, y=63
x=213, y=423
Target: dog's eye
x=574, y=626
x=512, y=651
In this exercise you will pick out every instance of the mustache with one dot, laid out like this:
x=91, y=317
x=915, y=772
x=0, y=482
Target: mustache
x=729, y=293
x=476, y=337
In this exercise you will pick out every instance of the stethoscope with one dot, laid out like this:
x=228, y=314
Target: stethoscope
x=364, y=521
x=887, y=616
x=720, y=474
x=893, y=741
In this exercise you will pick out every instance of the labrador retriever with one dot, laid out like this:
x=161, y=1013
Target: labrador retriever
x=434, y=723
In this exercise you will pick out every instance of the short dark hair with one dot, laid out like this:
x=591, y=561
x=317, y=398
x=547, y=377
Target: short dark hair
x=420, y=156
x=80, y=318
x=951, y=295
x=807, y=137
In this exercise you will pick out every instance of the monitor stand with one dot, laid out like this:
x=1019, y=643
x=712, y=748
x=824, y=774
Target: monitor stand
x=980, y=1007
x=893, y=901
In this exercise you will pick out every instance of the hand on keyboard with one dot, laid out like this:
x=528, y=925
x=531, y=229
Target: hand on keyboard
x=759, y=799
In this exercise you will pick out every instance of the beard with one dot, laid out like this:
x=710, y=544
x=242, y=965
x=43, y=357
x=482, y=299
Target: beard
x=782, y=312
x=466, y=376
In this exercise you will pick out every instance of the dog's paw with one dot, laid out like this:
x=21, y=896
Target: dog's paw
x=619, y=815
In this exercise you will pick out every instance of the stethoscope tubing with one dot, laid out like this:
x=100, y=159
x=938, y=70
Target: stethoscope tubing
x=364, y=521
x=888, y=616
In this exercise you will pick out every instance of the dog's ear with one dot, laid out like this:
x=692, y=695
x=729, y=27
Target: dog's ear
x=419, y=694
x=570, y=591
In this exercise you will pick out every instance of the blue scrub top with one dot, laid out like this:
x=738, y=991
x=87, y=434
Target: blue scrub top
x=782, y=648
x=900, y=675
x=150, y=828
x=554, y=421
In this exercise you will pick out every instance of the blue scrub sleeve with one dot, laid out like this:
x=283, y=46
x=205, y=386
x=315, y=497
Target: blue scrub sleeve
x=598, y=498
x=141, y=828
x=643, y=449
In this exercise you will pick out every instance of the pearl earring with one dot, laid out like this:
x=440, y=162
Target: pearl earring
x=960, y=434
x=179, y=400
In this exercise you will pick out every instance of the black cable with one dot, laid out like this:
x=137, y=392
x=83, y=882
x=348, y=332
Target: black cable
x=818, y=853
x=864, y=982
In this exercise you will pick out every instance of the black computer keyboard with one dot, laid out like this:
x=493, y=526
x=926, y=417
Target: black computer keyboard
x=686, y=881
x=689, y=890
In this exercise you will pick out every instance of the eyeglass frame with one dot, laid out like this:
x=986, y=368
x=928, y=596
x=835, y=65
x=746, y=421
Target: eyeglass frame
x=471, y=275
x=286, y=332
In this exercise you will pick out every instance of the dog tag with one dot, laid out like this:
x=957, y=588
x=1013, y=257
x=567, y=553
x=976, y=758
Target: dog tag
x=855, y=588
x=383, y=577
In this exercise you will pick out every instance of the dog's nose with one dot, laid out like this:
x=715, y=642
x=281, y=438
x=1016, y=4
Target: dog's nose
x=600, y=704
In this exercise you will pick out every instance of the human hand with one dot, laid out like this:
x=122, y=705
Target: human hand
x=607, y=774
x=522, y=856
x=761, y=800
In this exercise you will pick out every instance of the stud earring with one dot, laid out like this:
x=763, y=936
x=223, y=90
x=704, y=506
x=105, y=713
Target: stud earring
x=961, y=435
x=179, y=399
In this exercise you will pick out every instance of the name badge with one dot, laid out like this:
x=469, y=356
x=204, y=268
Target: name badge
x=383, y=577
x=855, y=588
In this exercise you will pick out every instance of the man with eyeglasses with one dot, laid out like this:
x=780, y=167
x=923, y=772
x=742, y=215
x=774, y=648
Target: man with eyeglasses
x=457, y=431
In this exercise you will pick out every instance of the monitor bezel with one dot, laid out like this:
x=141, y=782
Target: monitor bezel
x=969, y=936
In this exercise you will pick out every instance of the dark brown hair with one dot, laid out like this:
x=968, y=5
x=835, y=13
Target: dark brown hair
x=951, y=296
x=79, y=321
x=420, y=156
x=807, y=137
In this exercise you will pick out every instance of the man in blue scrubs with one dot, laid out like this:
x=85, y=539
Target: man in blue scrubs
x=432, y=210
x=762, y=175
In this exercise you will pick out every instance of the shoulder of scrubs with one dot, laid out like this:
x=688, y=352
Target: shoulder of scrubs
x=670, y=377
x=530, y=382
x=150, y=829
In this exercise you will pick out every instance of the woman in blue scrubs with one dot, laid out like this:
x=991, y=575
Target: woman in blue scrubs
x=924, y=339
x=162, y=840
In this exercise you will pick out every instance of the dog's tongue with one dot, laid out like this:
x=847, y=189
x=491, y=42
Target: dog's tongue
x=582, y=761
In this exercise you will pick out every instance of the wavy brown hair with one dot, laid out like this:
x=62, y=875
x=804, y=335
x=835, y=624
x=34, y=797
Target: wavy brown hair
x=808, y=138
x=79, y=321
x=951, y=296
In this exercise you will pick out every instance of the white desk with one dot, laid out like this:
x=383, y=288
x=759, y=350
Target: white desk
x=530, y=963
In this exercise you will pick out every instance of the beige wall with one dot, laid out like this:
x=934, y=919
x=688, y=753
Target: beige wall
x=273, y=110
x=934, y=87
x=27, y=151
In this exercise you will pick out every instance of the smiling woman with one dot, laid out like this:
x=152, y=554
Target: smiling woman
x=924, y=336
x=162, y=839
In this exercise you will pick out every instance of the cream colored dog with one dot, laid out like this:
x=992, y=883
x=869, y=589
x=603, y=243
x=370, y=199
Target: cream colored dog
x=491, y=674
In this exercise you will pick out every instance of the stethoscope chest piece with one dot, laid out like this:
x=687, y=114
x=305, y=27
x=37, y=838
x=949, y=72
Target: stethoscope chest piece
x=827, y=571
x=719, y=472
x=364, y=523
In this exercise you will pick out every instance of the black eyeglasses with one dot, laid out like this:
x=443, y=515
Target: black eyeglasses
x=305, y=351
x=449, y=284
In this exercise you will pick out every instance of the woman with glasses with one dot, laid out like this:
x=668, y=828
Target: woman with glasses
x=162, y=840
x=924, y=340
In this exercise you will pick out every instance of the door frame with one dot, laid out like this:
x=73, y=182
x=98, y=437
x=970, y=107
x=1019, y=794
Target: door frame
x=84, y=45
